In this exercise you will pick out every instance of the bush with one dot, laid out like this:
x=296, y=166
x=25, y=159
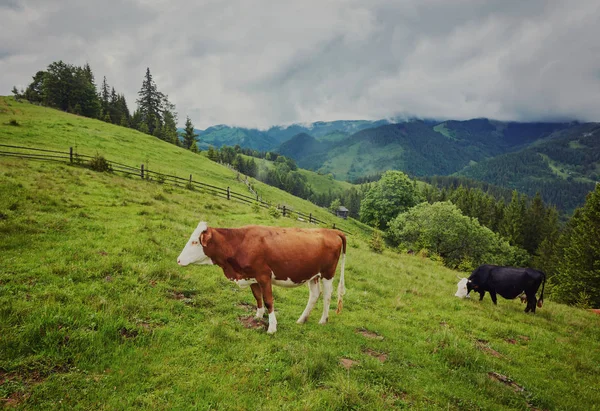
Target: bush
x=459, y=240
x=274, y=212
x=99, y=163
x=376, y=242
x=13, y=122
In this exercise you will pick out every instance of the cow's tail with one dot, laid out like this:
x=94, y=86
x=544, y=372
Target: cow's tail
x=342, y=285
x=541, y=300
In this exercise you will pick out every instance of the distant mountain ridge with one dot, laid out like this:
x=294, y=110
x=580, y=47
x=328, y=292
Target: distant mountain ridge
x=270, y=139
x=561, y=160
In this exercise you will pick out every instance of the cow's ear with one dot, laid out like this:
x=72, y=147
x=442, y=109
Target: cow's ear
x=205, y=237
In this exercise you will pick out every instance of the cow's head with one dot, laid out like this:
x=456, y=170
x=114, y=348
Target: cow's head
x=464, y=288
x=193, y=253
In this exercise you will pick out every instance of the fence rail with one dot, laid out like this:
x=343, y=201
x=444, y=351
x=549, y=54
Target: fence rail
x=73, y=157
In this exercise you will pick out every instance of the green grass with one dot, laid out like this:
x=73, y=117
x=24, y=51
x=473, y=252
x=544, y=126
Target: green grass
x=96, y=314
x=320, y=183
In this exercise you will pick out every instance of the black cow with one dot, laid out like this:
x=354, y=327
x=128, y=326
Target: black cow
x=509, y=282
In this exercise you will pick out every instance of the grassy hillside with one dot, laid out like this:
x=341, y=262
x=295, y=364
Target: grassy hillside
x=320, y=183
x=96, y=314
x=51, y=129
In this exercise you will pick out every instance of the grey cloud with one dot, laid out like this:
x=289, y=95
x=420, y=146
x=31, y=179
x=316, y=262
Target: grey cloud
x=267, y=62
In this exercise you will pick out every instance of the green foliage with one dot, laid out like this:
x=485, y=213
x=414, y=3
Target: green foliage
x=99, y=163
x=189, y=137
x=457, y=239
x=335, y=205
x=578, y=273
x=274, y=212
x=149, y=102
x=393, y=194
x=376, y=242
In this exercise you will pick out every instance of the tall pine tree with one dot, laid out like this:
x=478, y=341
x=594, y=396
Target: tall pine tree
x=578, y=277
x=149, y=103
x=188, y=134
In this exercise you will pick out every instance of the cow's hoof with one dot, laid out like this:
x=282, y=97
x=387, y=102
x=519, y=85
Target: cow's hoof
x=301, y=320
x=323, y=321
x=271, y=330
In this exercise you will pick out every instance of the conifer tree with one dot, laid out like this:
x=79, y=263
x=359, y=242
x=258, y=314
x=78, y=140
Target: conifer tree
x=149, y=102
x=212, y=154
x=188, y=134
x=513, y=220
x=169, y=122
x=578, y=278
x=534, y=224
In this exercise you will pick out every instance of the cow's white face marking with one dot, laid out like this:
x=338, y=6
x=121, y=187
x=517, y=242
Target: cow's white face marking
x=193, y=253
x=462, y=291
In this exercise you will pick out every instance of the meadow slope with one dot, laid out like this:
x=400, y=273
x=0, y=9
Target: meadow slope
x=96, y=314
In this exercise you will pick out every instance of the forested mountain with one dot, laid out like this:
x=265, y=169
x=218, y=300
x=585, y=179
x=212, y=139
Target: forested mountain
x=223, y=135
x=264, y=140
x=417, y=147
x=558, y=159
x=563, y=167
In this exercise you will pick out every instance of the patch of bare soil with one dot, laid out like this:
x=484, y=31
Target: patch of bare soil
x=246, y=306
x=369, y=334
x=128, y=333
x=483, y=346
x=376, y=354
x=506, y=381
x=252, y=322
x=347, y=363
x=510, y=340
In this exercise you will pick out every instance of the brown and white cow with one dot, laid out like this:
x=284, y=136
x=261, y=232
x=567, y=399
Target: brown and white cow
x=259, y=256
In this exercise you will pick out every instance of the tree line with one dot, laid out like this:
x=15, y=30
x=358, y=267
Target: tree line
x=73, y=89
x=466, y=226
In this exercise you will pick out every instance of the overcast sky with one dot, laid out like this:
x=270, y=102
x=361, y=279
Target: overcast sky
x=259, y=63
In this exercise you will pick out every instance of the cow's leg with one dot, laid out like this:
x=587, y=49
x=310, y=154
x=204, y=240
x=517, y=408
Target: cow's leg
x=267, y=292
x=313, y=296
x=256, y=291
x=493, y=295
x=327, y=290
x=481, y=294
x=531, y=302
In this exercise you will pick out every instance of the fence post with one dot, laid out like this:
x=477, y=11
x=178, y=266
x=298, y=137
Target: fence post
x=71, y=154
x=334, y=226
x=284, y=211
x=190, y=179
x=228, y=194
x=142, y=173
x=310, y=218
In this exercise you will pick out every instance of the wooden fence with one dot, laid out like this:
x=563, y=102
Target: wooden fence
x=75, y=158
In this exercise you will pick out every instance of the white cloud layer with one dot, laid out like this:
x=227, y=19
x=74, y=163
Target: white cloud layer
x=259, y=63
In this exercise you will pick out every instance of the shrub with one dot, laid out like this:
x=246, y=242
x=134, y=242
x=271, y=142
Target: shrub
x=99, y=163
x=274, y=212
x=13, y=122
x=459, y=240
x=376, y=242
